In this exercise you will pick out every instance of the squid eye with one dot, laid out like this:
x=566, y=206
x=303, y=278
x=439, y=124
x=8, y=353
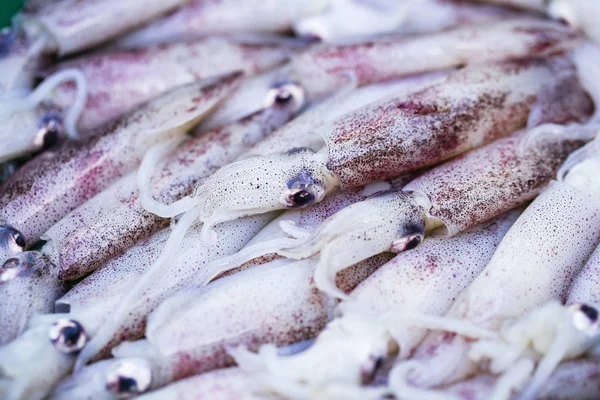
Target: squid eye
x=302, y=198
x=413, y=242
x=16, y=241
x=51, y=128
x=285, y=94
x=10, y=269
x=68, y=336
x=584, y=317
x=299, y=196
x=128, y=378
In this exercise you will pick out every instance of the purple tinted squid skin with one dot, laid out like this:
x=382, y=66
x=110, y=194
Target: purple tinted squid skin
x=120, y=80
x=53, y=184
x=65, y=27
x=469, y=108
x=323, y=68
x=115, y=219
x=209, y=17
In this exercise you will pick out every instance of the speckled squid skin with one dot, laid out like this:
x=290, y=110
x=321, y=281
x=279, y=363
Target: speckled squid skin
x=208, y=17
x=31, y=291
x=271, y=303
x=535, y=263
x=495, y=178
x=222, y=384
x=75, y=25
x=53, y=184
x=473, y=106
x=120, y=80
x=429, y=278
x=90, y=302
x=586, y=286
x=322, y=69
x=114, y=220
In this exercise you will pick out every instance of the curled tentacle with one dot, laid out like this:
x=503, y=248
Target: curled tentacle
x=39, y=124
x=389, y=221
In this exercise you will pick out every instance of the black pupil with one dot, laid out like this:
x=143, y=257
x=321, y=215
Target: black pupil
x=283, y=97
x=127, y=385
x=19, y=240
x=302, y=198
x=589, y=312
x=51, y=135
x=414, y=242
x=71, y=335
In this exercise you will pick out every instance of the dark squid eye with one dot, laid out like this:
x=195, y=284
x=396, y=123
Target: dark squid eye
x=10, y=269
x=15, y=240
x=67, y=336
x=590, y=312
x=128, y=378
x=413, y=242
x=302, y=198
x=51, y=129
x=286, y=94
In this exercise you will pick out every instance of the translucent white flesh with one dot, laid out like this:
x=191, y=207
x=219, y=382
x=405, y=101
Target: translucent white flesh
x=201, y=18
x=75, y=25
x=534, y=263
x=61, y=181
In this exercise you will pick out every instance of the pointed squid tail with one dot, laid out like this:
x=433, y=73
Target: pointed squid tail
x=105, y=334
x=144, y=181
x=42, y=92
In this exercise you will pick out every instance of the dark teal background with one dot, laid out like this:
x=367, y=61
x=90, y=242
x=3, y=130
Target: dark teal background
x=8, y=8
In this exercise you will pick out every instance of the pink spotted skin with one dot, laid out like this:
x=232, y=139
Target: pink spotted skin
x=536, y=262
x=114, y=220
x=471, y=107
x=323, y=68
x=429, y=278
x=209, y=17
x=120, y=80
x=53, y=184
x=75, y=25
x=281, y=305
x=491, y=180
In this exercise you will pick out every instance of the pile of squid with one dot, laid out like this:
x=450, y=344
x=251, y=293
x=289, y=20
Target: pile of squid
x=302, y=199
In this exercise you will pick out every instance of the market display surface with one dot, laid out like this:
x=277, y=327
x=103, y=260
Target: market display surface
x=303, y=199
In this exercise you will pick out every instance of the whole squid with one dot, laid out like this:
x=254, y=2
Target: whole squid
x=112, y=221
x=65, y=27
x=92, y=90
x=522, y=276
x=323, y=68
x=208, y=17
x=356, y=345
x=50, y=186
x=399, y=134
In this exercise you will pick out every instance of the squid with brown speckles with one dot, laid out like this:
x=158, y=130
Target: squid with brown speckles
x=384, y=139
x=92, y=90
x=110, y=222
x=48, y=187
